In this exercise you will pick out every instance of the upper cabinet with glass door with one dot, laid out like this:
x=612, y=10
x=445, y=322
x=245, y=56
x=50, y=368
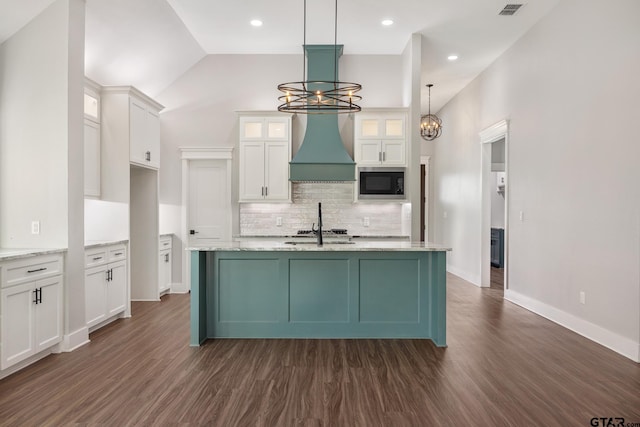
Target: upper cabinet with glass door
x=380, y=138
x=91, y=138
x=265, y=128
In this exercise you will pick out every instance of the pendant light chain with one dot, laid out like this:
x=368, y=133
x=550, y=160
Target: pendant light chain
x=321, y=96
x=335, y=45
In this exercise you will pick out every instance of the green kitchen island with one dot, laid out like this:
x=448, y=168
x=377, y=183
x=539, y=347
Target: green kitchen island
x=271, y=289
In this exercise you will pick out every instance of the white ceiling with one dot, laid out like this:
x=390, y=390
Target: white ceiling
x=150, y=43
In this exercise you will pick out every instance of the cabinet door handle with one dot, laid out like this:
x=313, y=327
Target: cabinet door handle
x=118, y=253
x=36, y=270
x=35, y=296
x=111, y=275
x=39, y=295
x=384, y=156
x=148, y=156
x=266, y=191
x=107, y=273
x=166, y=257
x=96, y=258
x=379, y=156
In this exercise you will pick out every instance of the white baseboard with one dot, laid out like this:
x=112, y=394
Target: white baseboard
x=178, y=288
x=471, y=278
x=625, y=346
x=75, y=339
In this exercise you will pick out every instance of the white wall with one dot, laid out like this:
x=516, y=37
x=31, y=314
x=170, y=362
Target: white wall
x=200, y=108
x=34, y=82
x=41, y=145
x=570, y=91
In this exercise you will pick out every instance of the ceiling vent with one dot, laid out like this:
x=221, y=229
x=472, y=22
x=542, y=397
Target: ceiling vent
x=510, y=9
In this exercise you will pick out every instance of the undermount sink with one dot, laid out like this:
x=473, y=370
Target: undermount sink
x=315, y=243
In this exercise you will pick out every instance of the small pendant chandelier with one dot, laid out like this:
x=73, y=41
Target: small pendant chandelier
x=430, y=124
x=319, y=97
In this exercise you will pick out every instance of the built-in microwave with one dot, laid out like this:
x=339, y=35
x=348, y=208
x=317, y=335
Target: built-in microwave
x=381, y=183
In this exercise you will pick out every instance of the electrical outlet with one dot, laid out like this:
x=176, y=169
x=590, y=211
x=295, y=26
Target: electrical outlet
x=35, y=227
x=583, y=297
x=521, y=216
x=279, y=221
x=365, y=221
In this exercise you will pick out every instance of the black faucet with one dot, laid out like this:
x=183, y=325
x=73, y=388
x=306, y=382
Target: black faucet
x=318, y=230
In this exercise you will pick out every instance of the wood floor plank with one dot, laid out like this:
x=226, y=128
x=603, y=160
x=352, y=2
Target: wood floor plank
x=504, y=366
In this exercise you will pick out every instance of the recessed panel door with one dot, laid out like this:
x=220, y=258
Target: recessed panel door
x=209, y=207
x=18, y=303
x=48, y=313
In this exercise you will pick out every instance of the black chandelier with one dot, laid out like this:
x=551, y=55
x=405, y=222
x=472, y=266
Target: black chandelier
x=430, y=124
x=319, y=97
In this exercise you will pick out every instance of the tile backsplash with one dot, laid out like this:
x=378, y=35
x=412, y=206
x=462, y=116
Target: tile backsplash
x=338, y=211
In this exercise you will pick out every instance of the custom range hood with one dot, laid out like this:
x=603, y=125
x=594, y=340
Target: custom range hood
x=322, y=156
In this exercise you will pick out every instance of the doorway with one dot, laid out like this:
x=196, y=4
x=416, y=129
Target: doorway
x=425, y=162
x=498, y=183
x=494, y=253
x=206, y=200
x=209, y=205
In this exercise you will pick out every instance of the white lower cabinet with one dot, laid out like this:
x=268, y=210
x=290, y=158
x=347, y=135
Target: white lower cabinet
x=31, y=307
x=105, y=283
x=164, y=265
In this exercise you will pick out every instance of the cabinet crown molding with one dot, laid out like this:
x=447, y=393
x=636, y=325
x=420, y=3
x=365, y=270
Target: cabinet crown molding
x=132, y=91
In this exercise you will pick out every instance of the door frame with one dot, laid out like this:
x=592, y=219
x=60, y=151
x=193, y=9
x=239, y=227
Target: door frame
x=488, y=136
x=426, y=161
x=187, y=155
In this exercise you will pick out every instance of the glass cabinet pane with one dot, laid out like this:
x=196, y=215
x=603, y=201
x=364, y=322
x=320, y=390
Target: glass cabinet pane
x=90, y=106
x=253, y=129
x=276, y=130
x=393, y=127
x=369, y=127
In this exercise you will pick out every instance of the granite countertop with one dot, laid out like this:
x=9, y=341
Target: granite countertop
x=7, y=254
x=311, y=246
x=90, y=244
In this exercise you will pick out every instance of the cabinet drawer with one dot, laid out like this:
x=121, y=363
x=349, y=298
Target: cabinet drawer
x=117, y=253
x=95, y=257
x=22, y=270
x=165, y=243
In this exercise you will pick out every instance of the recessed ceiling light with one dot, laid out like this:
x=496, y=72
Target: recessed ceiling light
x=452, y=57
x=387, y=22
x=256, y=23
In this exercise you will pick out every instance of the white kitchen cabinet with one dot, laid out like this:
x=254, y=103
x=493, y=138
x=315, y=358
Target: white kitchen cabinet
x=265, y=152
x=380, y=139
x=105, y=284
x=145, y=134
x=131, y=120
x=31, y=307
x=164, y=265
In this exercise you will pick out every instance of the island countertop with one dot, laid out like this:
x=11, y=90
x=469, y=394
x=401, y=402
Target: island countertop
x=310, y=245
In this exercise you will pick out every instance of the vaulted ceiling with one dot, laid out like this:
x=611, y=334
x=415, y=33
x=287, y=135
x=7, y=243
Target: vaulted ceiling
x=150, y=43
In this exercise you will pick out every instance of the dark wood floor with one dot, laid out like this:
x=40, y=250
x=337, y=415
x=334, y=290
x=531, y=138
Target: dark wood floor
x=497, y=278
x=504, y=367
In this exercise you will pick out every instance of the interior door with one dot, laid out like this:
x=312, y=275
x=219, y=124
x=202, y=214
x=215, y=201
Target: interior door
x=209, y=206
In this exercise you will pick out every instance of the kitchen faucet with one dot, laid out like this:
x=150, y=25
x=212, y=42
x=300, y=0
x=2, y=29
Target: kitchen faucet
x=318, y=230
